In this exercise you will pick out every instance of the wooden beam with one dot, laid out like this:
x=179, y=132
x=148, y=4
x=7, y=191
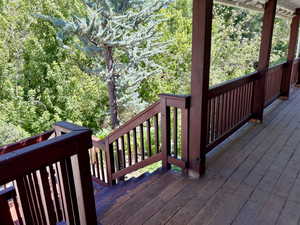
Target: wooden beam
x=201, y=54
x=286, y=80
x=264, y=59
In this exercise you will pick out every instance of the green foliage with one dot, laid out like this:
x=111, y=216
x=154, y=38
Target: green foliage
x=235, y=47
x=10, y=133
x=121, y=38
x=42, y=83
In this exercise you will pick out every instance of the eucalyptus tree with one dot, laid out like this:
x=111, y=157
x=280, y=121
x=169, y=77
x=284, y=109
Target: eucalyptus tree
x=121, y=37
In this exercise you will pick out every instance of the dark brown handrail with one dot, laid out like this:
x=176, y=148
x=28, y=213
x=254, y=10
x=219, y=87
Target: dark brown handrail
x=48, y=166
x=135, y=121
x=232, y=84
x=26, y=142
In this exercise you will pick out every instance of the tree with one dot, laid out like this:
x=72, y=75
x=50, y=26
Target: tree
x=121, y=37
x=40, y=82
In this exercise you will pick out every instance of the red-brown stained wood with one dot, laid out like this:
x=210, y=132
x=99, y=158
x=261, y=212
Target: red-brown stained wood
x=185, y=114
x=25, y=205
x=201, y=54
x=135, y=121
x=46, y=197
x=264, y=59
x=102, y=166
x=292, y=49
x=142, y=142
x=138, y=165
x=117, y=155
x=175, y=131
x=123, y=152
x=156, y=133
x=5, y=215
x=26, y=142
x=56, y=196
x=149, y=137
x=135, y=146
x=110, y=165
x=165, y=131
x=98, y=163
x=129, y=149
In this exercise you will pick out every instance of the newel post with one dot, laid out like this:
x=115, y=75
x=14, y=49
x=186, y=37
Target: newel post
x=165, y=131
x=264, y=60
x=287, y=74
x=201, y=54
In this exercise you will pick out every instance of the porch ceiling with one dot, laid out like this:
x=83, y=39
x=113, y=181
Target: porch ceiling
x=286, y=8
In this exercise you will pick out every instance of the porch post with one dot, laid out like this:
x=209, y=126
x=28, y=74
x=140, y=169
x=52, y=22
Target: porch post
x=286, y=79
x=201, y=53
x=264, y=60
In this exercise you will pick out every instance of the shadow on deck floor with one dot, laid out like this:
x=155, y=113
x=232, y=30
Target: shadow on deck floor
x=252, y=178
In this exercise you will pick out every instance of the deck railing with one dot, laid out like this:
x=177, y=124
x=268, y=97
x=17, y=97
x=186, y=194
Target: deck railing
x=51, y=179
x=273, y=83
x=161, y=132
x=295, y=71
x=229, y=107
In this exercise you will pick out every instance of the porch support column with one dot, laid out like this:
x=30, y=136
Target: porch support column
x=264, y=60
x=201, y=53
x=286, y=79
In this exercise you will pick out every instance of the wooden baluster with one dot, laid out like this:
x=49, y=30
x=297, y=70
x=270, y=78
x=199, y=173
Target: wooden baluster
x=46, y=197
x=55, y=193
x=101, y=165
x=236, y=106
x=110, y=164
x=33, y=199
x=231, y=108
x=209, y=116
x=39, y=198
x=60, y=188
x=17, y=208
x=92, y=158
x=213, y=120
x=219, y=120
x=142, y=141
x=68, y=193
x=221, y=115
x=185, y=117
x=123, y=151
x=24, y=200
x=34, y=212
x=5, y=216
x=156, y=133
x=97, y=151
x=175, y=131
x=225, y=123
x=244, y=103
x=135, y=145
x=129, y=149
x=118, y=156
x=239, y=106
x=149, y=138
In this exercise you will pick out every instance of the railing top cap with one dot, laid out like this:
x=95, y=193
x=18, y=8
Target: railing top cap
x=175, y=96
x=67, y=126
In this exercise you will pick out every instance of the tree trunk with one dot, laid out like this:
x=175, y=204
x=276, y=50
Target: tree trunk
x=112, y=91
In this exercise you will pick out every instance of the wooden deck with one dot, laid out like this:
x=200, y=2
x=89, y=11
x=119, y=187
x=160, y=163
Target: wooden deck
x=252, y=179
